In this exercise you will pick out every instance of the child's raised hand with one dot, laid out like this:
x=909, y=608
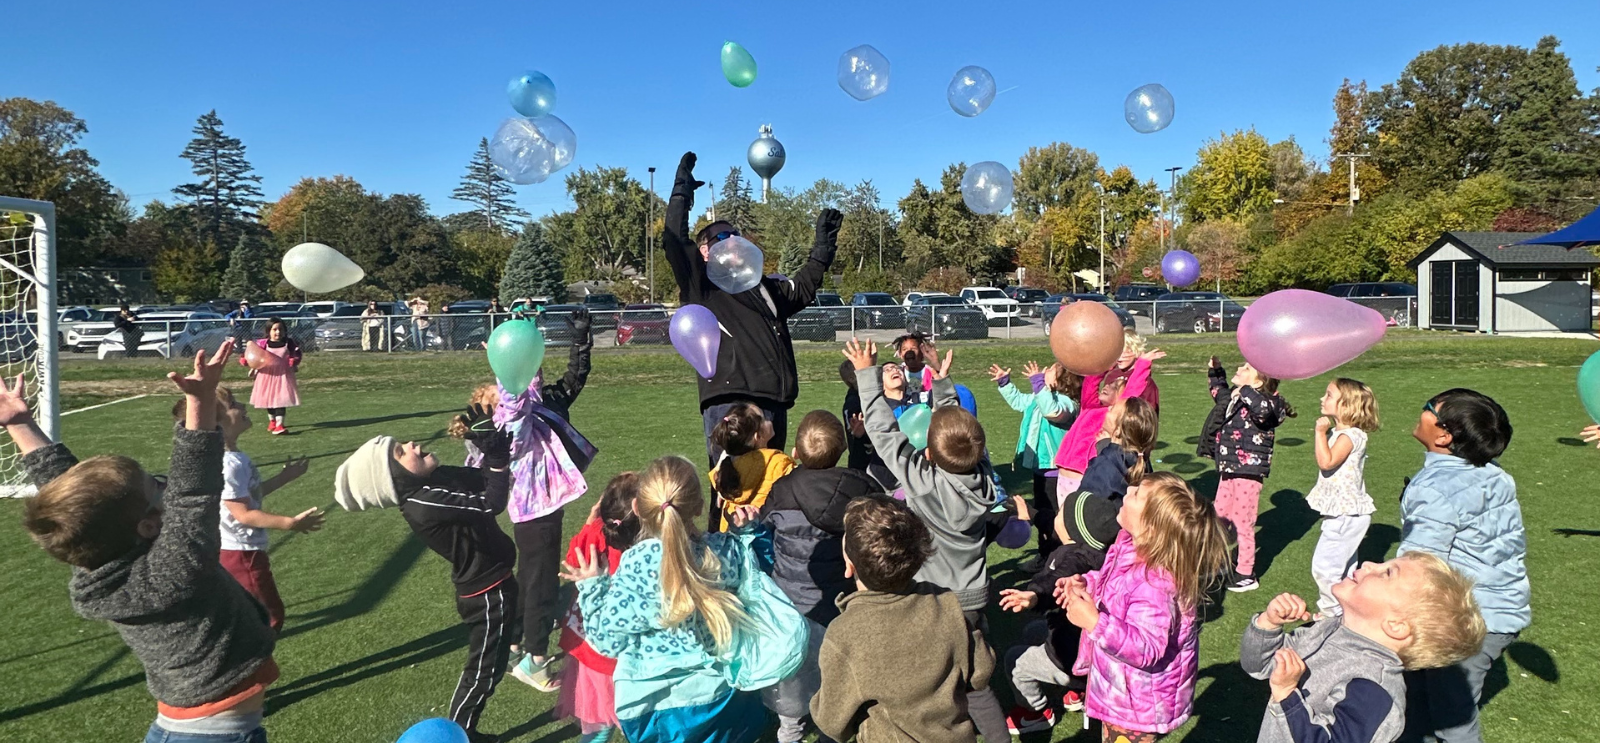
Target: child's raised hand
x=1287, y=669
x=1013, y=600
x=1031, y=369
x=858, y=425
x=307, y=521
x=14, y=403
x=744, y=515
x=589, y=566
x=1285, y=608
x=1323, y=424
x=1081, y=610
x=1153, y=355
x=202, y=382
x=1216, y=363
x=941, y=369
x=996, y=374
x=1590, y=434
x=1023, y=514
x=861, y=356
x=1066, y=587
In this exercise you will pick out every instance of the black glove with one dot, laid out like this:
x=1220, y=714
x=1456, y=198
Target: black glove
x=827, y=239
x=684, y=183
x=482, y=432
x=580, y=322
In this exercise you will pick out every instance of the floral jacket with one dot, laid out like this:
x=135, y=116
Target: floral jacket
x=1244, y=445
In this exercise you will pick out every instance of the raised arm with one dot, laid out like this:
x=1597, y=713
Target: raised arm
x=1217, y=379
x=567, y=388
x=190, y=541
x=1331, y=454
x=891, y=444
x=800, y=290
x=682, y=253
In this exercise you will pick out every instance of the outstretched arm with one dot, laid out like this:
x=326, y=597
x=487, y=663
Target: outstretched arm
x=682, y=254
x=800, y=291
x=567, y=388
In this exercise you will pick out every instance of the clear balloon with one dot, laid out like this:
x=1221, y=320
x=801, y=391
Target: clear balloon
x=971, y=91
x=319, y=269
x=914, y=424
x=1589, y=386
x=1148, y=108
x=516, y=351
x=434, y=730
x=532, y=94
x=697, y=338
x=1180, y=268
x=1298, y=334
x=734, y=265
x=864, y=73
x=986, y=187
x=1014, y=535
x=737, y=65
x=1087, y=338
x=527, y=151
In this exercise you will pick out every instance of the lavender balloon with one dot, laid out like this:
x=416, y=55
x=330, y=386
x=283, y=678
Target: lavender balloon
x=697, y=338
x=1298, y=334
x=1014, y=535
x=734, y=265
x=1180, y=268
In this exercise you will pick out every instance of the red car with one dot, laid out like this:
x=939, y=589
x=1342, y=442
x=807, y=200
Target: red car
x=642, y=323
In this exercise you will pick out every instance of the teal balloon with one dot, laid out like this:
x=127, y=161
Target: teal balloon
x=532, y=94
x=1589, y=386
x=914, y=424
x=737, y=65
x=516, y=351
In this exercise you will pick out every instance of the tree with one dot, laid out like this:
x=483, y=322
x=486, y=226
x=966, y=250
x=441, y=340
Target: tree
x=1219, y=247
x=226, y=198
x=250, y=270
x=1057, y=175
x=1547, y=134
x=534, y=268
x=187, y=271
x=869, y=236
x=394, y=238
x=1441, y=121
x=737, y=205
x=937, y=229
x=1232, y=178
x=786, y=223
x=1292, y=171
x=606, y=236
x=481, y=258
x=489, y=193
x=40, y=159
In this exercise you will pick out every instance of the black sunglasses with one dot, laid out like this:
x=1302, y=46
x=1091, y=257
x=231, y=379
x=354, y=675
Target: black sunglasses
x=720, y=236
x=1429, y=408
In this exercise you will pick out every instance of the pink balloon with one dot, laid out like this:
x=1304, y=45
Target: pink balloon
x=697, y=337
x=1298, y=334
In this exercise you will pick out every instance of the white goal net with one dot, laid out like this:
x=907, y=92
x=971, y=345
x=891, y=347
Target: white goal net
x=28, y=339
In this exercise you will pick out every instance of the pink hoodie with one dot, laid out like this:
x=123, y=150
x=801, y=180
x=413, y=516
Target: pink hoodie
x=1144, y=653
x=1078, y=447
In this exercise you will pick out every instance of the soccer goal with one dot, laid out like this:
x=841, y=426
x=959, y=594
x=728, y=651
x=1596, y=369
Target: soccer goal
x=28, y=343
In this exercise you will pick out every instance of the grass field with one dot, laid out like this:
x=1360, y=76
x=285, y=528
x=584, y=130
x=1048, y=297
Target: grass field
x=373, y=644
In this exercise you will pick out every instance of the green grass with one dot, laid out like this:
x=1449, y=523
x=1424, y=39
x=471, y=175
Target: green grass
x=373, y=644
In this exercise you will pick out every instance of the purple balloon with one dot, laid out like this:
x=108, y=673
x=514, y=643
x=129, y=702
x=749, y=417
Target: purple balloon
x=697, y=338
x=1180, y=268
x=1014, y=535
x=1298, y=334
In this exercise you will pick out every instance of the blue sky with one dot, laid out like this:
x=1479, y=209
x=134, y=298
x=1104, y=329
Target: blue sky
x=397, y=94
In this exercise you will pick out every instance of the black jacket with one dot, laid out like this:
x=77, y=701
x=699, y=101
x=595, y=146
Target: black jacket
x=560, y=394
x=1067, y=560
x=806, y=512
x=1107, y=473
x=453, y=511
x=756, y=358
x=1244, y=445
x=1219, y=410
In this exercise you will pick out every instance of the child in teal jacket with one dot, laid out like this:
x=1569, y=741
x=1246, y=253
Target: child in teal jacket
x=1047, y=412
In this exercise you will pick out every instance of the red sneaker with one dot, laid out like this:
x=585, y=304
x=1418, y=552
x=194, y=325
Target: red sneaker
x=1072, y=701
x=274, y=427
x=1022, y=720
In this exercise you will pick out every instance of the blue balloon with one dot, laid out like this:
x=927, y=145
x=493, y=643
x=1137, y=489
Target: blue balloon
x=971, y=91
x=532, y=94
x=1148, y=108
x=434, y=730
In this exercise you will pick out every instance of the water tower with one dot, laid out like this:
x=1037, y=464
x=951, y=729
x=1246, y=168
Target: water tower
x=766, y=158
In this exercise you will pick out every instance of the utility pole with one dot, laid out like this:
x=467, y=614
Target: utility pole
x=1173, y=172
x=1355, y=194
x=1161, y=229
x=649, y=237
x=881, y=217
x=1102, y=275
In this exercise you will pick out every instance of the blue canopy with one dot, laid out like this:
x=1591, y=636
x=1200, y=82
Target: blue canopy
x=1583, y=232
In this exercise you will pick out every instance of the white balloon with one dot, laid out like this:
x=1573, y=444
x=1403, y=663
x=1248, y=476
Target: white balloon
x=971, y=91
x=527, y=151
x=734, y=265
x=986, y=187
x=319, y=269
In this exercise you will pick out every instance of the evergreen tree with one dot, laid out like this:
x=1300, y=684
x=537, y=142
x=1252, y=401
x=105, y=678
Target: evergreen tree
x=534, y=268
x=1546, y=136
x=490, y=192
x=250, y=270
x=225, y=198
x=736, y=205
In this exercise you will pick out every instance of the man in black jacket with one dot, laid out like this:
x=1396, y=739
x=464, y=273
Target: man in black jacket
x=756, y=360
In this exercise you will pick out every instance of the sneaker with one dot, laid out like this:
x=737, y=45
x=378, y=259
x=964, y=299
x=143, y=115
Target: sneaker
x=1072, y=701
x=1243, y=583
x=1022, y=720
x=281, y=429
x=536, y=675
x=481, y=737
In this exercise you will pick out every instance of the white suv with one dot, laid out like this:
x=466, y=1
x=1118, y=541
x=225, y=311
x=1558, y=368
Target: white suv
x=992, y=302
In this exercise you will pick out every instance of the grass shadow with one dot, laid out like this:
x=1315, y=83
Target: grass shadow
x=1229, y=710
x=372, y=591
x=1376, y=544
x=359, y=422
x=1576, y=532
x=79, y=690
x=1288, y=521
x=1569, y=441
x=424, y=648
x=1291, y=441
x=1015, y=481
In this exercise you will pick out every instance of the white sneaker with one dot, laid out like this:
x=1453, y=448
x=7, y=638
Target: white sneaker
x=537, y=675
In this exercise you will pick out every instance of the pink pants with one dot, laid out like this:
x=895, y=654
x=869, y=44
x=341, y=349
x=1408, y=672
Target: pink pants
x=1238, y=501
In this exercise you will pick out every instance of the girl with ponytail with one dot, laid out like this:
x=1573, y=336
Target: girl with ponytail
x=668, y=614
x=747, y=470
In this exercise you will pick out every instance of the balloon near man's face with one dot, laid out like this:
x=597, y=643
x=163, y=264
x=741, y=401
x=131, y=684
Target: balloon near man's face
x=734, y=265
x=1298, y=334
x=1087, y=338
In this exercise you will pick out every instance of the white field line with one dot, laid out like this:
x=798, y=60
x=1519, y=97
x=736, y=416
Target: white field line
x=101, y=405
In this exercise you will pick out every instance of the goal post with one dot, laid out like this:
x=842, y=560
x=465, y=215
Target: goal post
x=28, y=345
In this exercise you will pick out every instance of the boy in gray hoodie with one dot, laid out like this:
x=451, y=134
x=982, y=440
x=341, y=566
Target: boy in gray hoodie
x=950, y=487
x=1409, y=613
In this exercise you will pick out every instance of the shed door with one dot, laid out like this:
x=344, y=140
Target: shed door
x=1453, y=289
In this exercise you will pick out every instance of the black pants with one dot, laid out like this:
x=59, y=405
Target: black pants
x=277, y=412
x=491, y=619
x=982, y=704
x=538, y=577
x=130, y=342
x=714, y=414
x=1044, y=513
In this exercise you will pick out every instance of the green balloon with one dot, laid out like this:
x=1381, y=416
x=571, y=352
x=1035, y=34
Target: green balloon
x=1589, y=386
x=914, y=424
x=516, y=350
x=737, y=65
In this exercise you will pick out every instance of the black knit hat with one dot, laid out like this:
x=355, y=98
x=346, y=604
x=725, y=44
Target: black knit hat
x=1091, y=520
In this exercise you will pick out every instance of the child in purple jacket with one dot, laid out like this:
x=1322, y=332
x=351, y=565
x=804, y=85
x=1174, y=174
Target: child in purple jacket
x=1140, y=612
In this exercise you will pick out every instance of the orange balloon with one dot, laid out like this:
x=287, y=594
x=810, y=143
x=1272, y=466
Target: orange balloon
x=1086, y=337
x=259, y=358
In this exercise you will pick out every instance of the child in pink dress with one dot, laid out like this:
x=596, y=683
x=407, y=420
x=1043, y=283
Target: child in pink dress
x=275, y=390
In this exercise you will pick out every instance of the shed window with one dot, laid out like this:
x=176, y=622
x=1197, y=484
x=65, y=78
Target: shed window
x=1544, y=274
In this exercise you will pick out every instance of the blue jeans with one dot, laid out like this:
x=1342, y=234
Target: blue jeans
x=158, y=735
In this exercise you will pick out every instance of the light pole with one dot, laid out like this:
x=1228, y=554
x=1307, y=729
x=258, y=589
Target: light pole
x=1173, y=172
x=649, y=237
x=1102, y=275
x=881, y=216
x=1355, y=195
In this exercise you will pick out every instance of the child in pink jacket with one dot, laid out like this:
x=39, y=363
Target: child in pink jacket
x=1129, y=378
x=1140, y=612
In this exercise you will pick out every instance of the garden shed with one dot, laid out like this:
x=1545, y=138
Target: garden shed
x=1485, y=282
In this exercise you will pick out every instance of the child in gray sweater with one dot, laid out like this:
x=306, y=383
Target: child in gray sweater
x=147, y=562
x=1412, y=612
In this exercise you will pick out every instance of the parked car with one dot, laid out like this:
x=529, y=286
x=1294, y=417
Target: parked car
x=1392, y=298
x=302, y=325
x=556, y=324
x=833, y=306
x=813, y=324
x=996, y=307
x=912, y=297
x=1031, y=299
x=85, y=336
x=946, y=317
x=643, y=323
x=342, y=331
x=18, y=342
x=274, y=307
x=324, y=309
x=66, y=320
x=604, y=309
x=1053, y=304
x=877, y=310
x=170, y=334
x=1138, y=298
x=1196, y=312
